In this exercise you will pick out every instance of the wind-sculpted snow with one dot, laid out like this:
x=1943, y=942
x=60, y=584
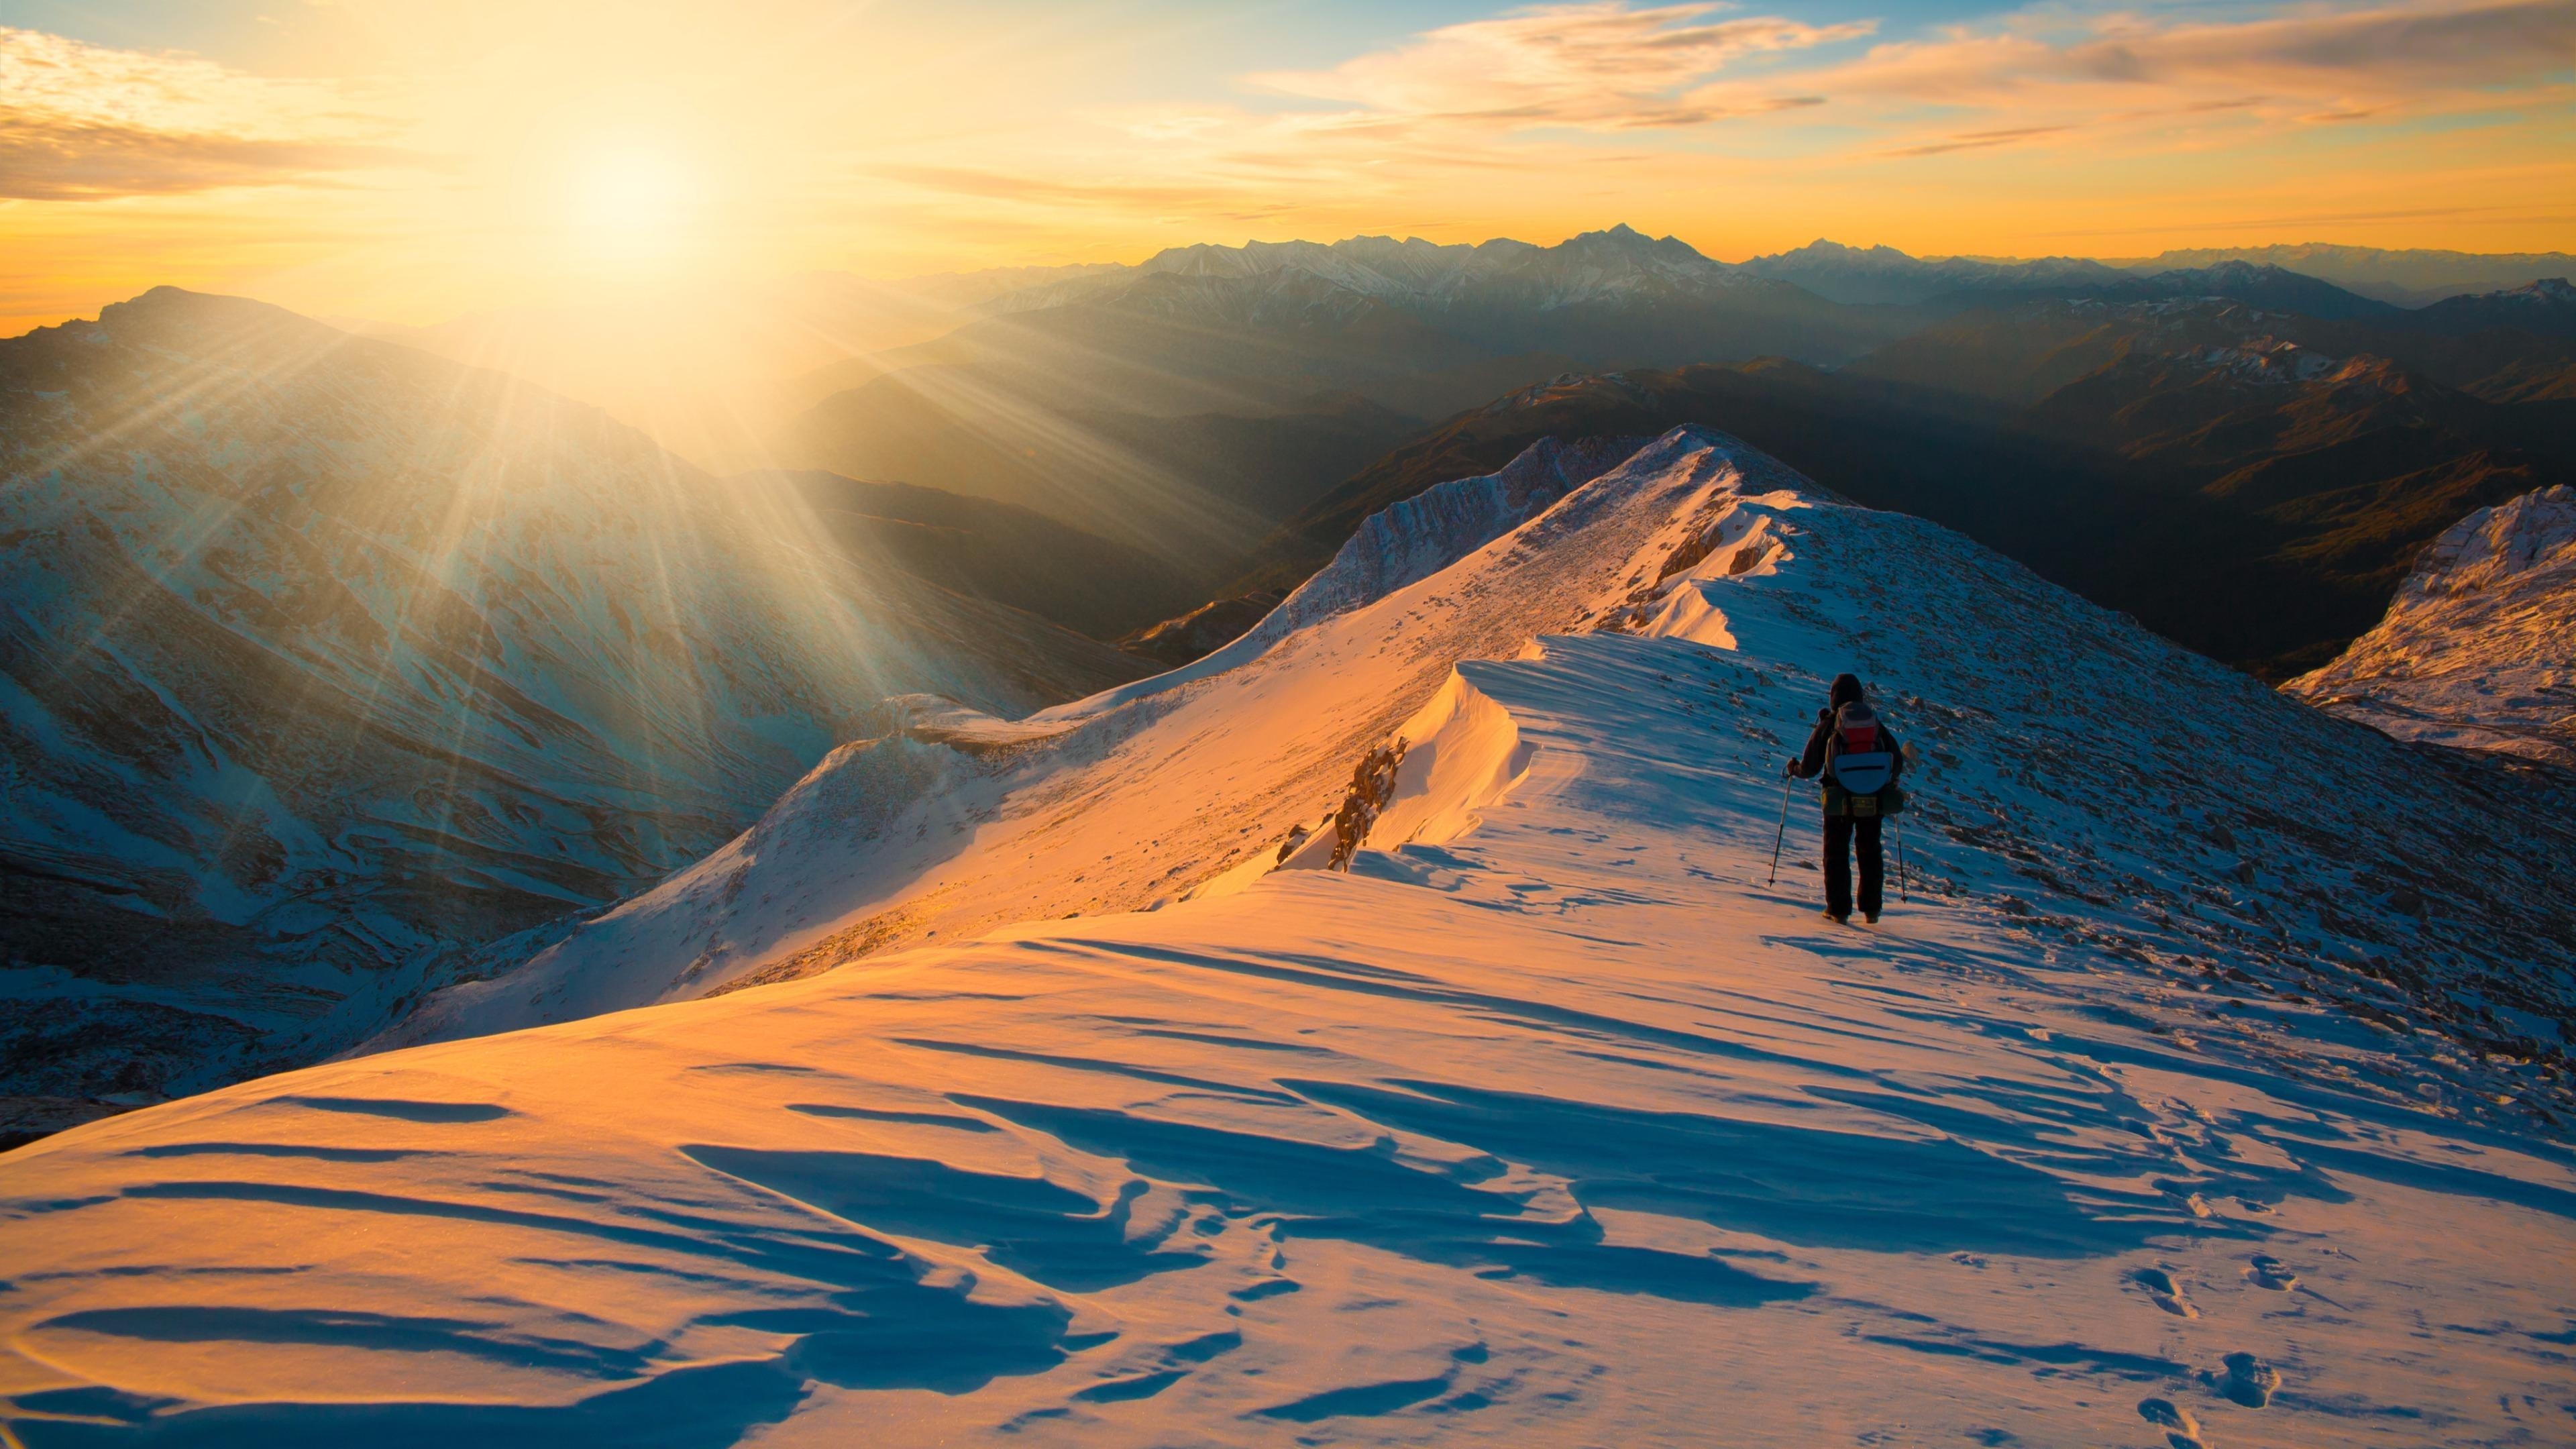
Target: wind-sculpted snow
x=2159, y=1113
x=2479, y=647
x=325, y=662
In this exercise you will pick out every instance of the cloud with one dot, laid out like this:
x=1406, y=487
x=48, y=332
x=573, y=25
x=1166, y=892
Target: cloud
x=46, y=160
x=85, y=122
x=1599, y=66
x=2312, y=65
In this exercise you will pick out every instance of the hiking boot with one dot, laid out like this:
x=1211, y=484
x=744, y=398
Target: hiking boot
x=1870, y=916
x=1839, y=918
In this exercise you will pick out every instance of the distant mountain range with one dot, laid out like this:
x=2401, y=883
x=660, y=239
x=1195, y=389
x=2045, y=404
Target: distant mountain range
x=2361, y=275
x=2407, y=277
x=1883, y=275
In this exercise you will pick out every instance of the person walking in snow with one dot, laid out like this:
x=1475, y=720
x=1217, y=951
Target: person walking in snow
x=1859, y=759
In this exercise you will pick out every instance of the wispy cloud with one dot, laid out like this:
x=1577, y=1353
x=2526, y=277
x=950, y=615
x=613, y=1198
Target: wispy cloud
x=1598, y=66
x=83, y=122
x=1980, y=140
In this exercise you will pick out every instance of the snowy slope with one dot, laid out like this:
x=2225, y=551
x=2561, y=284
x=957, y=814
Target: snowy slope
x=324, y=661
x=2161, y=1115
x=1147, y=792
x=2479, y=646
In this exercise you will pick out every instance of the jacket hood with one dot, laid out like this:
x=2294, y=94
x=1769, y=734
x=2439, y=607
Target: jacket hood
x=1846, y=690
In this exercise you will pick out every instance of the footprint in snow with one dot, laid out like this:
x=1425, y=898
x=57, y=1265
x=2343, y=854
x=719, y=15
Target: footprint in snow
x=2182, y=1431
x=2248, y=1380
x=2167, y=1293
x=2268, y=1272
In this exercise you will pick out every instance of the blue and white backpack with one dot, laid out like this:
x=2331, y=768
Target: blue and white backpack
x=1860, y=763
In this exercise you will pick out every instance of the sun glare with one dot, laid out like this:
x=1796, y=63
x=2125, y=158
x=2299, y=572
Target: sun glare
x=632, y=205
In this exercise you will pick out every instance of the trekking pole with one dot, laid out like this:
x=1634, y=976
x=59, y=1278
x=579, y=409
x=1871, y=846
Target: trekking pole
x=1783, y=832
x=1900, y=867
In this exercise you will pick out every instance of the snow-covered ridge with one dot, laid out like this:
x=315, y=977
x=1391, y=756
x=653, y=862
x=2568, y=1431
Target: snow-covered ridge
x=2210, y=1087
x=2546, y=291
x=2478, y=649
x=1020, y=825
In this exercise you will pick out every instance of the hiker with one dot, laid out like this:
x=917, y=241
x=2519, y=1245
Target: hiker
x=1859, y=760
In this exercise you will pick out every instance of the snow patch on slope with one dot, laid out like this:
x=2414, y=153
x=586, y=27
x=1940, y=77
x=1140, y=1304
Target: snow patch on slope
x=2478, y=650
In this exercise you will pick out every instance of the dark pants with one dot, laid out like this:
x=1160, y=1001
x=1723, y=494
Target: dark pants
x=1841, y=833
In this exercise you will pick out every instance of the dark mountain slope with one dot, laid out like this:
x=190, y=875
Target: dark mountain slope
x=1193, y=490
x=326, y=663
x=1011, y=555
x=2019, y=354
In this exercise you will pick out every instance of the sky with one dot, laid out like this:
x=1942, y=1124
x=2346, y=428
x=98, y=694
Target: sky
x=412, y=161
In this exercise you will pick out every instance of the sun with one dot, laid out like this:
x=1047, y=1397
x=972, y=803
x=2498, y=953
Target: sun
x=632, y=204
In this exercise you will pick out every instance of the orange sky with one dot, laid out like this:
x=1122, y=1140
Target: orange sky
x=411, y=161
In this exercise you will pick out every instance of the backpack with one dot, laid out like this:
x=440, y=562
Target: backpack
x=1860, y=765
